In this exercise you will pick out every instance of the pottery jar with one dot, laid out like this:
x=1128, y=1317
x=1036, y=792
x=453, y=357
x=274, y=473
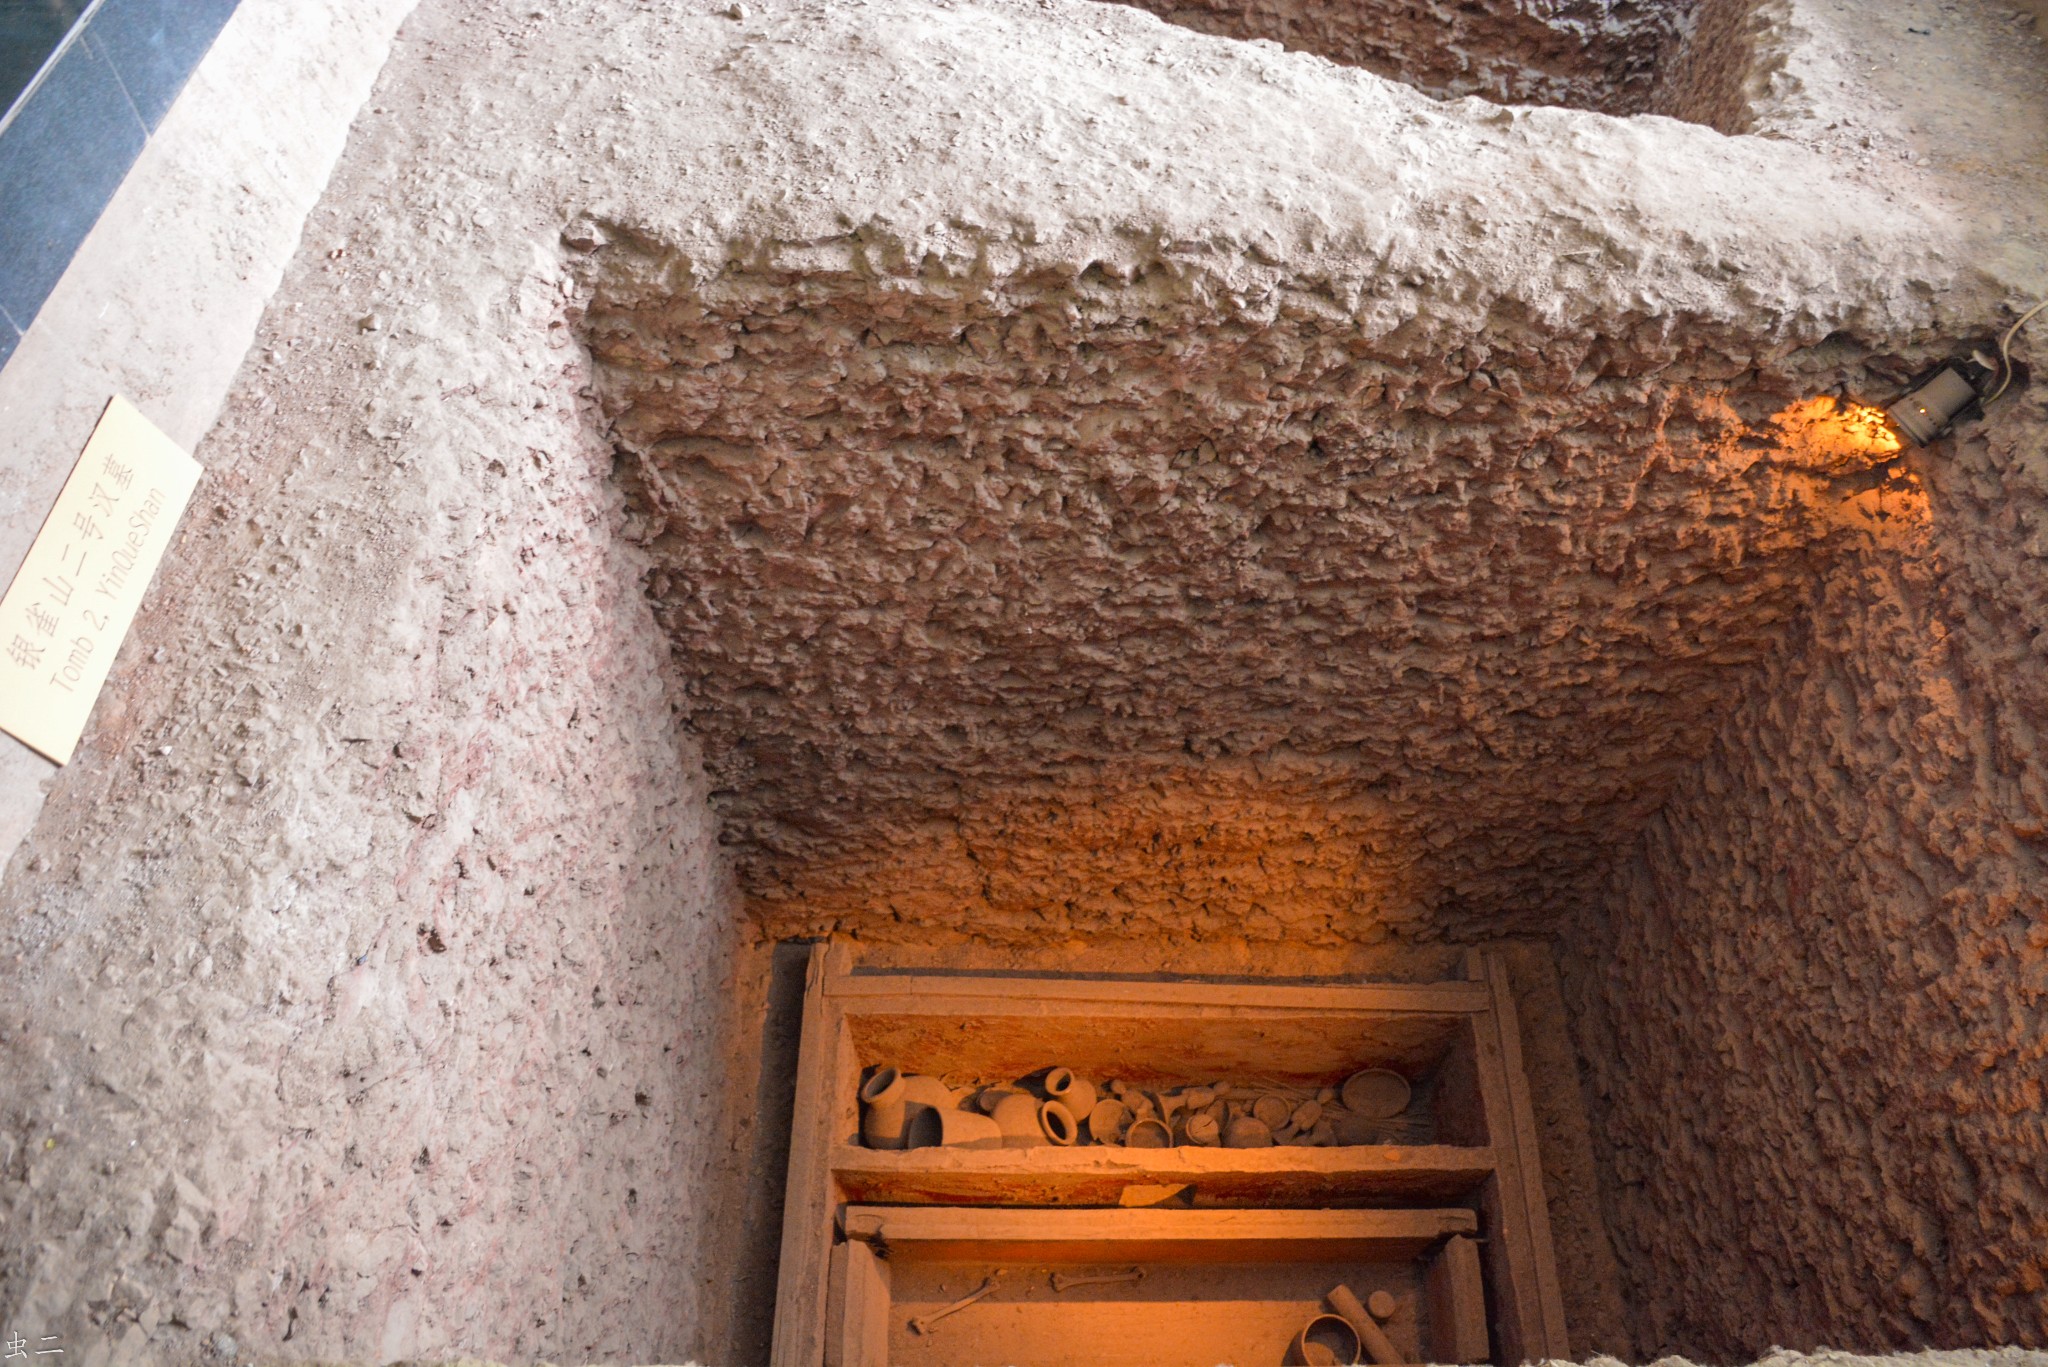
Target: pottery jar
x=1325, y=1341
x=1148, y=1134
x=1058, y=1123
x=1016, y=1115
x=937, y=1129
x=1077, y=1094
x=1107, y=1121
x=1246, y=1132
x=884, y=1115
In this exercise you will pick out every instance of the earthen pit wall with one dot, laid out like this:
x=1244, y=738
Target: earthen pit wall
x=1110, y=604
x=1691, y=61
x=1812, y=1005
x=363, y=973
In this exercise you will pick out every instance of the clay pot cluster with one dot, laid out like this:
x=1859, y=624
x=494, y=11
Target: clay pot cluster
x=913, y=1111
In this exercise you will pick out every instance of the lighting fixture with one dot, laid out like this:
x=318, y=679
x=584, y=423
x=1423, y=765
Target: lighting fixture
x=1955, y=389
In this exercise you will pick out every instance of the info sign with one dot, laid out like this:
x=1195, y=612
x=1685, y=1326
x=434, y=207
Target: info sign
x=70, y=605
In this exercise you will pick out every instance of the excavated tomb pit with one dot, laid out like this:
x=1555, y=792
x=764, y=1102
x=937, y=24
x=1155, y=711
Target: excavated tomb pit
x=1120, y=503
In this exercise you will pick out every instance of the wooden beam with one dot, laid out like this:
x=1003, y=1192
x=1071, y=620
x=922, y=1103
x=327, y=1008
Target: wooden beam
x=943, y=994
x=1456, y=1297
x=992, y=1234
x=802, y=1278
x=1097, y=1174
x=1520, y=1259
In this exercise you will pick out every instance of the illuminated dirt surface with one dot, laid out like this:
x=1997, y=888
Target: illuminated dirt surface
x=1030, y=483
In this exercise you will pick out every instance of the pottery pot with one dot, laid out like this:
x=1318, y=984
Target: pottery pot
x=1148, y=1134
x=884, y=1115
x=1273, y=1109
x=1075, y=1093
x=937, y=1129
x=1245, y=1132
x=1107, y=1121
x=1376, y=1093
x=1325, y=1341
x=1202, y=1129
x=1058, y=1123
x=1016, y=1115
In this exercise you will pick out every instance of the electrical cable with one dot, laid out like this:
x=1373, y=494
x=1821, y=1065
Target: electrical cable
x=2005, y=353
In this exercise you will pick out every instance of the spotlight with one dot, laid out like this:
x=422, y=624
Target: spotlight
x=1957, y=389
x=1937, y=398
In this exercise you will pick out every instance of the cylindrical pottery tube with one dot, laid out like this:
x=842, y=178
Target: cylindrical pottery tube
x=1076, y=1093
x=1325, y=1341
x=1245, y=1132
x=884, y=1116
x=1016, y=1115
x=1148, y=1134
x=1058, y=1123
x=934, y=1129
x=1370, y=1335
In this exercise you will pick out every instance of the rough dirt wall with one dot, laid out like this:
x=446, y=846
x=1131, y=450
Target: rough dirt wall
x=1608, y=55
x=1813, y=991
x=1127, y=602
x=362, y=974
x=1820, y=982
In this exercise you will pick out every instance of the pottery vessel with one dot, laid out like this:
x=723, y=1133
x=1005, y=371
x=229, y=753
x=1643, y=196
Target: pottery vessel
x=884, y=1114
x=1016, y=1115
x=1245, y=1132
x=936, y=1129
x=1075, y=1093
x=1377, y=1093
x=1273, y=1110
x=1148, y=1134
x=1058, y=1123
x=1202, y=1129
x=1325, y=1341
x=1106, y=1123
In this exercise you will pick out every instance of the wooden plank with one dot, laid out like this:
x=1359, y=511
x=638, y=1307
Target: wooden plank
x=802, y=1280
x=857, y=1315
x=1549, y=1287
x=1520, y=1259
x=835, y=1306
x=1456, y=1297
x=1002, y=1235
x=1098, y=1174
x=942, y=994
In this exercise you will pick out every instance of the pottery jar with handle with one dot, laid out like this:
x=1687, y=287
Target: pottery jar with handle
x=1074, y=1092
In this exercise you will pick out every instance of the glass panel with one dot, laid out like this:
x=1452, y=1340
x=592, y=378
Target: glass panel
x=29, y=32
